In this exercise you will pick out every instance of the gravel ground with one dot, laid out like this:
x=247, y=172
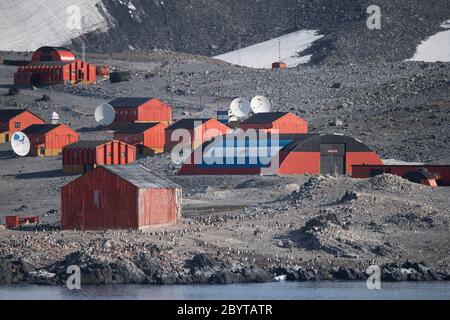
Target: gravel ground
x=249, y=228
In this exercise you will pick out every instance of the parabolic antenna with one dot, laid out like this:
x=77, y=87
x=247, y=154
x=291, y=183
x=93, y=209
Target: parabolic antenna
x=105, y=114
x=55, y=118
x=260, y=104
x=240, y=107
x=20, y=144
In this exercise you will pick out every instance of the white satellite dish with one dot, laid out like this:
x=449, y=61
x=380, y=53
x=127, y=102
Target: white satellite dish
x=105, y=114
x=20, y=144
x=240, y=107
x=55, y=118
x=260, y=104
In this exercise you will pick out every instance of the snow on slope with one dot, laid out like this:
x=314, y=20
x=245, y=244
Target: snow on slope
x=263, y=54
x=26, y=25
x=435, y=48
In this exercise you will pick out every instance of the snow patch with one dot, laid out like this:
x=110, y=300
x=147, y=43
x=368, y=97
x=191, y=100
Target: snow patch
x=28, y=24
x=391, y=162
x=435, y=48
x=263, y=54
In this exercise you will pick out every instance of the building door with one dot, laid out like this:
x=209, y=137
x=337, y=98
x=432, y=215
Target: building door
x=6, y=137
x=35, y=79
x=332, y=159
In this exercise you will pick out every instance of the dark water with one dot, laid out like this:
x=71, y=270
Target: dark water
x=266, y=291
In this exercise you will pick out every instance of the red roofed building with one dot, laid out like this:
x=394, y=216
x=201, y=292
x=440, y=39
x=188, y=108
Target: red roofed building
x=140, y=110
x=49, y=139
x=149, y=138
x=13, y=120
x=284, y=122
x=84, y=156
x=53, y=65
x=199, y=130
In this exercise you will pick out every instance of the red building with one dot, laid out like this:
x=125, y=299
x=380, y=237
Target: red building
x=149, y=138
x=140, y=110
x=199, y=131
x=84, y=156
x=284, y=122
x=13, y=120
x=325, y=154
x=53, y=65
x=424, y=174
x=119, y=197
x=289, y=155
x=49, y=139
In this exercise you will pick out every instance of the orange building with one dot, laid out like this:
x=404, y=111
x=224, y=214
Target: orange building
x=199, y=130
x=284, y=122
x=49, y=139
x=149, y=138
x=53, y=65
x=140, y=110
x=13, y=120
x=84, y=156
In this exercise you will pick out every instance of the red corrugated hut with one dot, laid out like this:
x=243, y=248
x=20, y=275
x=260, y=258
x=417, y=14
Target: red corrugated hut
x=84, y=156
x=199, y=130
x=332, y=154
x=290, y=155
x=130, y=110
x=284, y=122
x=54, y=65
x=49, y=139
x=149, y=138
x=120, y=197
x=13, y=120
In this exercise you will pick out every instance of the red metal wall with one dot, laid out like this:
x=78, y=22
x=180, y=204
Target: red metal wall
x=60, y=137
x=155, y=137
x=73, y=72
x=26, y=119
x=152, y=111
x=201, y=135
x=355, y=158
x=99, y=155
x=155, y=110
x=299, y=163
x=287, y=124
x=309, y=162
x=158, y=206
x=442, y=171
x=118, y=203
x=121, y=204
x=56, y=55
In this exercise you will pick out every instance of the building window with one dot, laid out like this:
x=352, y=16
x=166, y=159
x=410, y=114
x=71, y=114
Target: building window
x=97, y=199
x=17, y=125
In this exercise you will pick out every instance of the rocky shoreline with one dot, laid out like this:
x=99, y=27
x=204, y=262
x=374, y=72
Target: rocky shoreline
x=201, y=269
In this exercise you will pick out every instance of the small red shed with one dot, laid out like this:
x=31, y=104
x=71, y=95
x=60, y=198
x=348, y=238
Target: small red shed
x=119, y=197
x=284, y=122
x=84, y=156
x=53, y=65
x=49, y=139
x=140, y=110
x=199, y=130
x=13, y=120
x=149, y=138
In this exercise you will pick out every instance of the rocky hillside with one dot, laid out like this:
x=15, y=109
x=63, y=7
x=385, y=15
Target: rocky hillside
x=212, y=27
